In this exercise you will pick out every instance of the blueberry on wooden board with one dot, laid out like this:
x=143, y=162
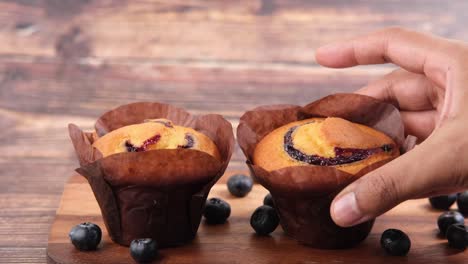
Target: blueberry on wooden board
x=395, y=242
x=447, y=219
x=268, y=200
x=216, y=211
x=462, y=202
x=457, y=236
x=143, y=250
x=240, y=185
x=443, y=202
x=85, y=236
x=264, y=220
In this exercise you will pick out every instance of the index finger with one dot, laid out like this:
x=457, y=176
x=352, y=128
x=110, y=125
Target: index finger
x=411, y=50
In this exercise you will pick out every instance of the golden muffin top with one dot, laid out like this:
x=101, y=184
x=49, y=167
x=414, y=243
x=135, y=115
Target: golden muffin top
x=154, y=134
x=324, y=142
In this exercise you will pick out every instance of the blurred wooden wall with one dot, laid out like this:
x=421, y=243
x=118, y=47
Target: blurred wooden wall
x=67, y=61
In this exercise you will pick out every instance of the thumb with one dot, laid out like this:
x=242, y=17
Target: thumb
x=426, y=168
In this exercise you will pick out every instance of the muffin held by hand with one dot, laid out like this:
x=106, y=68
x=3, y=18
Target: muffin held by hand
x=154, y=134
x=332, y=141
x=305, y=155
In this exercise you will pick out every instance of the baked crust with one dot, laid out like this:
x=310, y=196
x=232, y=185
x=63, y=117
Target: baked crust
x=324, y=141
x=154, y=134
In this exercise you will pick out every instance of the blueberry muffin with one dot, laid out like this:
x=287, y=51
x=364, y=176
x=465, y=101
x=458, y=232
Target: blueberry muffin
x=331, y=141
x=154, y=134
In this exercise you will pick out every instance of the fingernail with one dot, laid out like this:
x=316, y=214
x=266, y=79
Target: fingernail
x=346, y=211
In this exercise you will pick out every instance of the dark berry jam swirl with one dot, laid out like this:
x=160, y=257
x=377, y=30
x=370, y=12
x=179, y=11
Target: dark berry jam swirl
x=150, y=141
x=189, y=142
x=342, y=155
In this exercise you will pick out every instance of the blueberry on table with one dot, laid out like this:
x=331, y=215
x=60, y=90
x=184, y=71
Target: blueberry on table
x=447, y=219
x=395, y=242
x=268, y=200
x=143, y=250
x=457, y=236
x=462, y=202
x=216, y=211
x=443, y=202
x=264, y=220
x=239, y=185
x=85, y=236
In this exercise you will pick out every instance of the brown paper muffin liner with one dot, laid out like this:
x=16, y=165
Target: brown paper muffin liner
x=159, y=193
x=303, y=194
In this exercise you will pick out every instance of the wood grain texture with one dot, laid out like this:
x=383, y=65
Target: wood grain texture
x=67, y=61
x=235, y=241
x=279, y=31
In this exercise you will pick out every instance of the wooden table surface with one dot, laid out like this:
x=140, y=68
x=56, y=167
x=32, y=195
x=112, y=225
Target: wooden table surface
x=67, y=61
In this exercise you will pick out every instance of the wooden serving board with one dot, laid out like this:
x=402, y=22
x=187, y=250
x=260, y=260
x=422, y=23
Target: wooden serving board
x=235, y=241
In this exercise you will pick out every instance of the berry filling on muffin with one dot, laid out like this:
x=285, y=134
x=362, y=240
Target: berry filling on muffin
x=342, y=155
x=190, y=142
x=150, y=141
x=154, y=134
x=330, y=141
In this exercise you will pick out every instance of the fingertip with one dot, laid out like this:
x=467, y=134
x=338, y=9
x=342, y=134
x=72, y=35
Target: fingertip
x=334, y=212
x=321, y=55
x=345, y=211
x=335, y=55
x=324, y=55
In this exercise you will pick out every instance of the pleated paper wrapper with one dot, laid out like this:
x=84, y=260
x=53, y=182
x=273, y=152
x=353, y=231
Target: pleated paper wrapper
x=302, y=194
x=158, y=194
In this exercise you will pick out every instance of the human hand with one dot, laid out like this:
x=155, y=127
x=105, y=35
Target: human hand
x=431, y=91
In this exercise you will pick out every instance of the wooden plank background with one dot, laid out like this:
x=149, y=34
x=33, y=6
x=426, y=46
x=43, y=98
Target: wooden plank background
x=67, y=61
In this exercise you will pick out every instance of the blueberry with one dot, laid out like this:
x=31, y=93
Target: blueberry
x=240, y=185
x=264, y=220
x=457, y=236
x=268, y=200
x=462, y=202
x=447, y=219
x=85, y=236
x=216, y=211
x=395, y=242
x=143, y=250
x=443, y=202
